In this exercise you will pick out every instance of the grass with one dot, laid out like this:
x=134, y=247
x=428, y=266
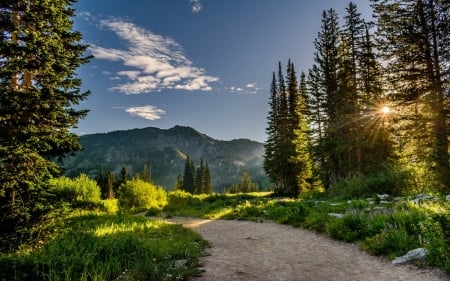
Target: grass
x=101, y=246
x=380, y=228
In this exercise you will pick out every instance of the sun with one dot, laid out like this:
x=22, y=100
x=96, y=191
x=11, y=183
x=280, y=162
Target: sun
x=385, y=110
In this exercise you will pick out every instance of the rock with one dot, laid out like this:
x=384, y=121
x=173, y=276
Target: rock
x=447, y=197
x=180, y=263
x=336, y=215
x=382, y=196
x=335, y=204
x=379, y=209
x=416, y=254
x=385, y=202
x=399, y=198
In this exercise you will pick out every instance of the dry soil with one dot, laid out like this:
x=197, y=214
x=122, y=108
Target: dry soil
x=243, y=250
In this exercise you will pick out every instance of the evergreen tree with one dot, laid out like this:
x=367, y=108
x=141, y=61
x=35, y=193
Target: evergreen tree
x=413, y=39
x=189, y=176
x=200, y=177
x=123, y=175
x=110, y=183
x=207, y=183
x=327, y=62
x=301, y=158
x=179, y=183
x=271, y=151
x=38, y=87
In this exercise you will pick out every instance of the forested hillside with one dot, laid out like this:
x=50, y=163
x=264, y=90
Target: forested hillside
x=164, y=153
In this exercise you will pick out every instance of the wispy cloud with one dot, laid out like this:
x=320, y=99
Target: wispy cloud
x=153, y=62
x=196, y=6
x=249, y=88
x=148, y=112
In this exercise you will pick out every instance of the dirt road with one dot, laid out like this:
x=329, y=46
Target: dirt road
x=242, y=250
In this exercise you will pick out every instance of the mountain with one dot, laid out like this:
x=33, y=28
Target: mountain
x=164, y=152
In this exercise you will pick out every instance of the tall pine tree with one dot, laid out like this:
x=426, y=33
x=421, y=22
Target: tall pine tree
x=38, y=89
x=413, y=39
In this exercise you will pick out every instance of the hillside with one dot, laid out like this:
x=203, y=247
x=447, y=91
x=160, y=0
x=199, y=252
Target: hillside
x=165, y=152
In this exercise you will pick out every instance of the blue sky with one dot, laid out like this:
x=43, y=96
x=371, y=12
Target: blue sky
x=206, y=63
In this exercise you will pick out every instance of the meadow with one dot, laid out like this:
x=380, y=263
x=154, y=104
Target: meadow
x=108, y=243
x=96, y=245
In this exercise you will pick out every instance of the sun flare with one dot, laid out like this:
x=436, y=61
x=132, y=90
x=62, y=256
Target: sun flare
x=385, y=110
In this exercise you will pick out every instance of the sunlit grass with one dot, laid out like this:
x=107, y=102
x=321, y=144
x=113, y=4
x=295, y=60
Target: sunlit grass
x=99, y=246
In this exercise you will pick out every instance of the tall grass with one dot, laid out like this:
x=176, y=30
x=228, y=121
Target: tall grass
x=99, y=246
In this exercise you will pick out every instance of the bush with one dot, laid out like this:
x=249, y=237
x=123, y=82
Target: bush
x=392, y=242
x=389, y=179
x=350, y=228
x=137, y=195
x=78, y=191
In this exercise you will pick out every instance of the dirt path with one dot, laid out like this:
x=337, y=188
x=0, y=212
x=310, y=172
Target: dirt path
x=242, y=250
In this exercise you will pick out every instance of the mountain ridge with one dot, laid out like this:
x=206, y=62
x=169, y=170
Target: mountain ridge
x=165, y=151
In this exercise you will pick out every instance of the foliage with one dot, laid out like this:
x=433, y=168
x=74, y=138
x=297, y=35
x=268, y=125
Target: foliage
x=287, y=161
x=389, y=179
x=245, y=186
x=137, y=195
x=96, y=246
x=76, y=191
x=38, y=91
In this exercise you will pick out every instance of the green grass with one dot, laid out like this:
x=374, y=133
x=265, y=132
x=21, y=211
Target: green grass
x=100, y=246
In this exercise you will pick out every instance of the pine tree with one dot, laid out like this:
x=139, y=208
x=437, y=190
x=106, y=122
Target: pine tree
x=200, y=178
x=189, y=176
x=207, y=182
x=271, y=151
x=179, y=183
x=327, y=62
x=413, y=38
x=301, y=157
x=39, y=57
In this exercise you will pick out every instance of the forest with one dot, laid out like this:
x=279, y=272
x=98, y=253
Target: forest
x=368, y=121
x=371, y=115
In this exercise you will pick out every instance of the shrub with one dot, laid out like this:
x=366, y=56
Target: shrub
x=350, y=228
x=390, y=179
x=137, y=195
x=81, y=190
x=392, y=242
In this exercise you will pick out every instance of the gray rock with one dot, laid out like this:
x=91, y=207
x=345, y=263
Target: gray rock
x=336, y=215
x=383, y=196
x=447, y=197
x=180, y=263
x=416, y=254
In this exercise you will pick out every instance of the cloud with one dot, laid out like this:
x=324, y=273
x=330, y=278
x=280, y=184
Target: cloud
x=250, y=88
x=196, y=6
x=148, y=112
x=153, y=62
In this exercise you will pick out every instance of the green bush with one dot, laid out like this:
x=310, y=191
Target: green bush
x=79, y=191
x=392, y=242
x=137, y=195
x=350, y=228
x=389, y=179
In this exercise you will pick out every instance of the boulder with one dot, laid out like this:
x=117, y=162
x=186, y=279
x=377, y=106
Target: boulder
x=416, y=254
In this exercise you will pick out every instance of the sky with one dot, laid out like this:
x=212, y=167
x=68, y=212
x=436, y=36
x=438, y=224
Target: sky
x=206, y=64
